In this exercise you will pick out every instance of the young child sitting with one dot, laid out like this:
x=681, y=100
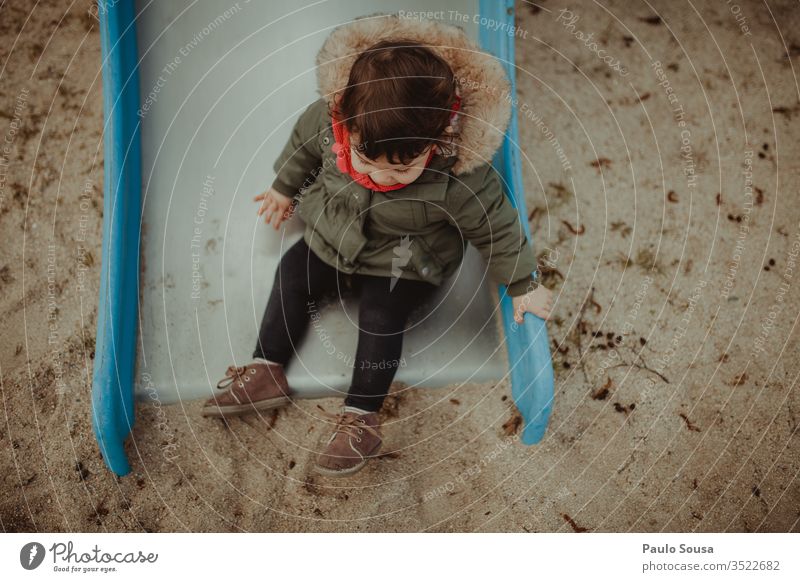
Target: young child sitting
x=390, y=172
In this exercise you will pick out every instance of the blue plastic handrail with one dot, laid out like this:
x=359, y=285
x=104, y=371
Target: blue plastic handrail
x=530, y=361
x=115, y=347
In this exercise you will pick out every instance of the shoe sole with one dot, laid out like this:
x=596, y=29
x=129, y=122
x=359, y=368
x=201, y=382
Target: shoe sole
x=347, y=472
x=237, y=409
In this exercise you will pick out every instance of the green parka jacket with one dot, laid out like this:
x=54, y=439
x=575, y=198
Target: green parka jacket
x=419, y=231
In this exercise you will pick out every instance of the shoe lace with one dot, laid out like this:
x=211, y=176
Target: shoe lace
x=231, y=375
x=349, y=424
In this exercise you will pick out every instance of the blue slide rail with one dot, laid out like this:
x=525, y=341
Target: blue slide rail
x=115, y=349
x=528, y=346
x=115, y=352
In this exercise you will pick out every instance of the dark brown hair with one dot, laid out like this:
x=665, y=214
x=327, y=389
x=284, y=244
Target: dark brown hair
x=398, y=100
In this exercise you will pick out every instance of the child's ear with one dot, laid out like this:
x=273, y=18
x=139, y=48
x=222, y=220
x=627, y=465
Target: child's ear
x=337, y=99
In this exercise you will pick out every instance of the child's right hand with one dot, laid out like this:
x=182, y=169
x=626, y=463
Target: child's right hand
x=274, y=205
x=539, y=301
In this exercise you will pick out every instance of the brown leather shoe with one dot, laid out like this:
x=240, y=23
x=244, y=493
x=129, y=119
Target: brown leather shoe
x=355, y=438
x=256, y=386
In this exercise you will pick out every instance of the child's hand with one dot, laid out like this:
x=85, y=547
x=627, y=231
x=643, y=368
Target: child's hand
x=274, y=205
x=539, y=302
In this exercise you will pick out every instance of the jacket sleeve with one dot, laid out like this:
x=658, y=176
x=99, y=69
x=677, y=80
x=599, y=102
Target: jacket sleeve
x=298, y=165
x=489, y=221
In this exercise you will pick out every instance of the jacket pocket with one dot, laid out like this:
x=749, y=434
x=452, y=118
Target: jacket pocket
x=336, y=222
x=419, y=213
x=425, y=261
x=400, y=214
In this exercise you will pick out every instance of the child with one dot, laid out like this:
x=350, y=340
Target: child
x=391, y=171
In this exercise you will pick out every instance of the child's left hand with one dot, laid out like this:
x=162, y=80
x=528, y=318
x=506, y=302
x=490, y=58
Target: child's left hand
x=539, y=302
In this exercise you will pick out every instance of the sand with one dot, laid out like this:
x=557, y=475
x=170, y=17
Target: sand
x=674, y=340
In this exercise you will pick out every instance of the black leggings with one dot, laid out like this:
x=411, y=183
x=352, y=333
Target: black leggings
x=302, y=279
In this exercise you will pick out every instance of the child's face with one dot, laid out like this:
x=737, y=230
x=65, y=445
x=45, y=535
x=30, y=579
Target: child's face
x=386, y=174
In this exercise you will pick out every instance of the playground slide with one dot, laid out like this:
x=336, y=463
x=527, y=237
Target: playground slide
x=199, y=99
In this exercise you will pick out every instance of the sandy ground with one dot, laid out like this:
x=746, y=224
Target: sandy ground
x=674, y=343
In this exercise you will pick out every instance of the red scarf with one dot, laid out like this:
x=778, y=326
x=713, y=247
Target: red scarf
x=341, y=137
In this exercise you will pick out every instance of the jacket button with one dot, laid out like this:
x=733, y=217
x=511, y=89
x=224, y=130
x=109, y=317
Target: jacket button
x=326, y=140
x=425, y=271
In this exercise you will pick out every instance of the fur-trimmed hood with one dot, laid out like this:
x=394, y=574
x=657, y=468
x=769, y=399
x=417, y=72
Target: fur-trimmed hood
x=483, y=85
